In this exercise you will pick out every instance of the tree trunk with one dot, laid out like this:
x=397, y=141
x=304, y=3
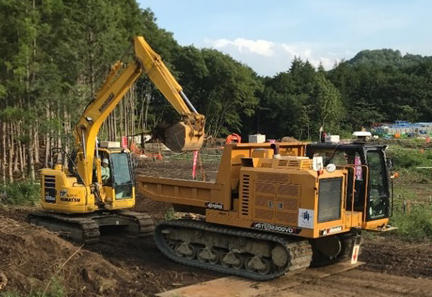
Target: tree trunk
x=115, y=126
x=3, y=165
x=10, y=159
x=31, y=166
x=21, y=152
x=147, y=104
x=47, y=143
x=132, y=112
x=36, y=143
x=66, y=132
x=122, y=116
x=17, y=149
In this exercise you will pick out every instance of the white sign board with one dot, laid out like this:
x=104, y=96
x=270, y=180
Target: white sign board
x=355, y=253
x=317, y=163
x=305, y=218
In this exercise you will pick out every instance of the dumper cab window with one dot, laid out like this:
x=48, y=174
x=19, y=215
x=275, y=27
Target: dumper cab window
x=378, y=189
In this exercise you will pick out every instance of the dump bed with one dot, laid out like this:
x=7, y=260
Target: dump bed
x=221, y=193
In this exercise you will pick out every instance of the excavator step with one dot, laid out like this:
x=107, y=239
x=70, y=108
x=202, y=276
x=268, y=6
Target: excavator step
x=86, y=228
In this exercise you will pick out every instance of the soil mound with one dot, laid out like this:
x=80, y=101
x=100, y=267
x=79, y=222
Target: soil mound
x=32, y=257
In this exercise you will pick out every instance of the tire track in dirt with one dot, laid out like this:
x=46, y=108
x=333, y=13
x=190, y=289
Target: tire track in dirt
x=358, y=282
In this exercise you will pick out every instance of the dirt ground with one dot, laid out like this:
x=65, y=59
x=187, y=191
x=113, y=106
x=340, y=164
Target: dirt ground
x=31, y=256
x=358, y=282
x=129, y=266
x=33, y=259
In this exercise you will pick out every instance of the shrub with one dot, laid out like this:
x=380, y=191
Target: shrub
x=415, y=225
x=20, y=193
x=409, y=158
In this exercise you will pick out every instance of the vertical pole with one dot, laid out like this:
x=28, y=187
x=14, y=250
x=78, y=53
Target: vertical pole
x=195, y=157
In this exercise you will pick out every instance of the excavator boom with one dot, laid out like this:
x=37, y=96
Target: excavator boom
x=187, y=135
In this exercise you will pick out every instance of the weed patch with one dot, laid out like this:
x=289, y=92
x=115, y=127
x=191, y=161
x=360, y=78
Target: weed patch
x=19, y=193
x=56, y=290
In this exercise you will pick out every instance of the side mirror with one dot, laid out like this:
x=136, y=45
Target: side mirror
x=389, y=163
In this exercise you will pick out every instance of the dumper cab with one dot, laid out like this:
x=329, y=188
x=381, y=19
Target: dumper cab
x=368, y=179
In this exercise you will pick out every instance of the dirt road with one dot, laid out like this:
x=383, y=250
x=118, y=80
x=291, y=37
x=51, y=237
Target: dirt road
x=337, y=280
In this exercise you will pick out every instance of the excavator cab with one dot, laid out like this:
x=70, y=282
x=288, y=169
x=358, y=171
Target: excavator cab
x=368, y=178
x=113, y=170
x=116, y=174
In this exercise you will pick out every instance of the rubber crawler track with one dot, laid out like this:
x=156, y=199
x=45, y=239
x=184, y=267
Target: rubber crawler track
x=88, y=226
x=300, y=251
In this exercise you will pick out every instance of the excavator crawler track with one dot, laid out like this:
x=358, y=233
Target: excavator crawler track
x=246, y=253
x=87, y=228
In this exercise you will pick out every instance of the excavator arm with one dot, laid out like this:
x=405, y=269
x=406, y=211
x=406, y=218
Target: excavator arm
x=184, y=136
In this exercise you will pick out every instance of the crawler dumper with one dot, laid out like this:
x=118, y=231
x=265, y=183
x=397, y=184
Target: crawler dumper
x=273, y=208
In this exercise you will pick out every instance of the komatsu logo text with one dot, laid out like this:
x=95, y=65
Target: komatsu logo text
x=70, y=199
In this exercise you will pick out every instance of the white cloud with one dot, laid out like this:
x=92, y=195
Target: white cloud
x=268, y=58
x=314, y=56
x=259, y=47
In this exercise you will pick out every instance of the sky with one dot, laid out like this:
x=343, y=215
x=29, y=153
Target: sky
x=267, y=34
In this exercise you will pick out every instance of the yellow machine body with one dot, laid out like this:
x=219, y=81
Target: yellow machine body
x=63, y=193
x=254, y=190
x=77, y=202
x=80, y=189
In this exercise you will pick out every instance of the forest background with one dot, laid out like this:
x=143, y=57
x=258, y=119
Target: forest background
x=54, y=54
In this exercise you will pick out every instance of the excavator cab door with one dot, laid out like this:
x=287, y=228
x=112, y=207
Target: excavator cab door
x=121, y=175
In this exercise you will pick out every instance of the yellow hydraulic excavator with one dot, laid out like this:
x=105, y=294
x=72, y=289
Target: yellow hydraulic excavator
x=80, y=200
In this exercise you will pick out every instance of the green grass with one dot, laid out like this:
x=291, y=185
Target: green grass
x=20, y=193
x=407, y=161
x=415, y=224
x=169, y=214
x=56, y=289
x=410, y=157
x=412, y=213
x=413, y=189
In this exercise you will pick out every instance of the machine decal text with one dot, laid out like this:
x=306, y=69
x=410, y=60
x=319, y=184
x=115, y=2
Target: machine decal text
x=70, y=199
x=276, y=228
x=214, y=205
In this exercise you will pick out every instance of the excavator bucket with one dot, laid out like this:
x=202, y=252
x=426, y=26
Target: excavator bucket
x=183, y=137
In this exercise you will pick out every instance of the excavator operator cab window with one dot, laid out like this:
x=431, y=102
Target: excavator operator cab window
x=106, y=171
x=121, y=175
